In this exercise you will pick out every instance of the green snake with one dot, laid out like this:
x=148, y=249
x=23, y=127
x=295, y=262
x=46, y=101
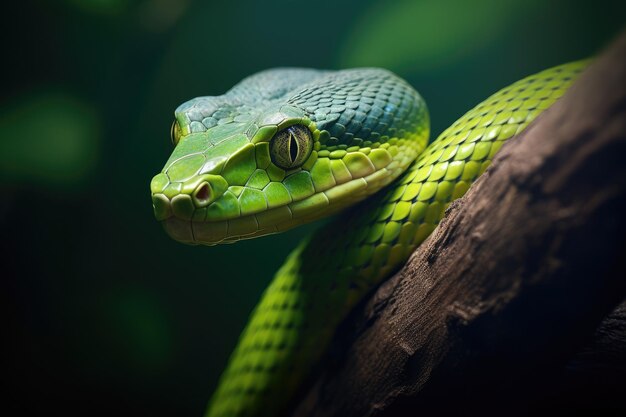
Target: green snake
x=288, y=146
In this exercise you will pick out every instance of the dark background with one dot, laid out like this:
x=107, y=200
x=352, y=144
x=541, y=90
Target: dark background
x=105, y=314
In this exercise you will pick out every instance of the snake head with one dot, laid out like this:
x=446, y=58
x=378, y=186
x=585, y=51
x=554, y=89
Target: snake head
x=283, y=148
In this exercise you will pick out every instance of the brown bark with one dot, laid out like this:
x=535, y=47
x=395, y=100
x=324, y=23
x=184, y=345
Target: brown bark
x=489, y=311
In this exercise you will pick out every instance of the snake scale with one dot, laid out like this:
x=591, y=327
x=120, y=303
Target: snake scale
x=288, y=146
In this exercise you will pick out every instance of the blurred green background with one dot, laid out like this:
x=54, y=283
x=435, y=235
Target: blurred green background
x=106, y=314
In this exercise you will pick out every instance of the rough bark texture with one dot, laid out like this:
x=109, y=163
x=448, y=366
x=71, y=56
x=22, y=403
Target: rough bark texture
x=488, y=315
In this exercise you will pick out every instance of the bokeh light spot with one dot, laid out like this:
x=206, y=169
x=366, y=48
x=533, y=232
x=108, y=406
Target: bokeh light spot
x=48, y=139
x=426, y=35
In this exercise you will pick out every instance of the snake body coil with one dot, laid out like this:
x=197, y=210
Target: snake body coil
x=288, y=146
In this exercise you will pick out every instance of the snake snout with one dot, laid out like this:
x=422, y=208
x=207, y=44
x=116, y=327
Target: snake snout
x=185, y=200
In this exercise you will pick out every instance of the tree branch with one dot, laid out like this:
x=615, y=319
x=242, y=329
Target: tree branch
x=489, y=310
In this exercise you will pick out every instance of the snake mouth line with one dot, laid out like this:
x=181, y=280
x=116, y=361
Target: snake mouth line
x=275, y=220
x=221, y=232
x=210, y=234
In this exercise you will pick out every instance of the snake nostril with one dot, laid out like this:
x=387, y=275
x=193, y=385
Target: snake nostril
x=203, y=194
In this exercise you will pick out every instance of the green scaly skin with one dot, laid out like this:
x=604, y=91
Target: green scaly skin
x=368, y=128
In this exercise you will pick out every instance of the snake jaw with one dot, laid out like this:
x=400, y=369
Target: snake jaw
x=180, y=230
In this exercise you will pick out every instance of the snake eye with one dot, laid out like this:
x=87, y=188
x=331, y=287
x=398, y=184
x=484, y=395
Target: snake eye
x=175, y=133
x=290, y=147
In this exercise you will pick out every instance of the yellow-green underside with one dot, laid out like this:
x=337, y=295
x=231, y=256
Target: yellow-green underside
x=327, y=274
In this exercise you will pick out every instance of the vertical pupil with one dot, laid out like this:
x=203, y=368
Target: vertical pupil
x=293, y=147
